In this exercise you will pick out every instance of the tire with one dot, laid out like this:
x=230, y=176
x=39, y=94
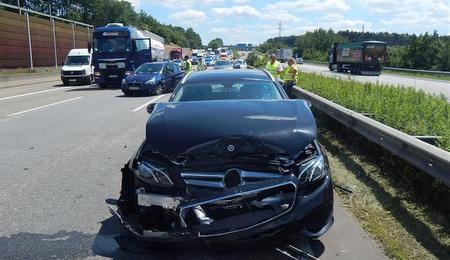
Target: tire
x=126, y=93
x=65, y=83
x=330, y=66
x=159, y=90
x=90, y=80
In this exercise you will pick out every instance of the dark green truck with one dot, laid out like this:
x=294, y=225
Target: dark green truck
x=365, y=57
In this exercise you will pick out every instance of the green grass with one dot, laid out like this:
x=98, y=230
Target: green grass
x=405, y=224
x=409, y=110
x=418, y=75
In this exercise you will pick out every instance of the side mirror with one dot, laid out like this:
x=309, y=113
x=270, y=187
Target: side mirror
x=89, y=47
x=150, y=107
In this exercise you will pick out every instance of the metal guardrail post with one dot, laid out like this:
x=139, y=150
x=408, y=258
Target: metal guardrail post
x=29, y=40
x=428, y=158
x=18, y=5
x=54, y=42
x=73, y=35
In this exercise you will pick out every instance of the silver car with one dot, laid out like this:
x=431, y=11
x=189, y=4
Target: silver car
x=223, y=65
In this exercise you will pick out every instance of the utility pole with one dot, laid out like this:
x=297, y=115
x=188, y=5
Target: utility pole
x=279, y=30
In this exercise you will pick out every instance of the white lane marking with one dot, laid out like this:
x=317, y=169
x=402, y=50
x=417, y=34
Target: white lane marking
x=32, y=93
x=49, y=105
x=146, y=104
x=43, y=91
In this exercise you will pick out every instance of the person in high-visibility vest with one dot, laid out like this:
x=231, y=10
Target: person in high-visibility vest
x=187, y=65
x=201, y=65
x=274, y=67
x=289, y=76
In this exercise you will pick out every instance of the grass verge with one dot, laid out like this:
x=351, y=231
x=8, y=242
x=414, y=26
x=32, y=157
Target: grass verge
x=406, y=223
x=407, y=109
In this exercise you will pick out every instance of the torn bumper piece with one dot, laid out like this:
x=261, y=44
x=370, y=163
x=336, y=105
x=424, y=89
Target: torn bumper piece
x=242, y=212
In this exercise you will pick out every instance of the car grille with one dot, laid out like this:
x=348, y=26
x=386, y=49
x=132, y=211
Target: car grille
x=80, y=72
x=221, y=180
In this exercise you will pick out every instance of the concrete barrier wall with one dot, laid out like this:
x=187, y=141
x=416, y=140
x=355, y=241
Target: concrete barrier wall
x=14, y=44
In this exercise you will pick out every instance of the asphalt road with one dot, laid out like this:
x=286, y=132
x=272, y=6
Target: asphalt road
x=61, y=153
x=431, y=86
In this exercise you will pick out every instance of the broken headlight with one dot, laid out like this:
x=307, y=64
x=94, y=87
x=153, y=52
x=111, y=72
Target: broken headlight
x=153, y=174
x=312, y=170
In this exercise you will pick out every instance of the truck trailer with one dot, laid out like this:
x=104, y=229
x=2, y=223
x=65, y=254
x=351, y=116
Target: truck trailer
x=365, y=57
x=284, y=54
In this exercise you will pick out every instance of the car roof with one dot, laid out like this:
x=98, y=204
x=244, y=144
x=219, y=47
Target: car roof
x=219, y=75
x=75, y=52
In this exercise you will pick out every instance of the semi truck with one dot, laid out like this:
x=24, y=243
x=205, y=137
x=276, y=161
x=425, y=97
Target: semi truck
x=180, y=53
x=118, y=50
x=365, y=57
x=284, y=54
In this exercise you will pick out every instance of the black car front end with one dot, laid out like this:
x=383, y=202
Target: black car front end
x=224, y=185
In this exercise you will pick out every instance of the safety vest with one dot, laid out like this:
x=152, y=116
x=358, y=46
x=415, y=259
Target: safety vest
x=288, y=75
x=273, y=68
x=187, y=66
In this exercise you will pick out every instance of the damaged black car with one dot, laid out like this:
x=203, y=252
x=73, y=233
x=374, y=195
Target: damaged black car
x=228, y=158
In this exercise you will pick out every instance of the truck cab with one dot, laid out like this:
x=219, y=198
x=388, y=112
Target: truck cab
x=118, y=50
x=77, y=67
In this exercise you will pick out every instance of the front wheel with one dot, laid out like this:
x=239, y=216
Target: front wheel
x=90, y=80
x=159, y=90
x=65, y=82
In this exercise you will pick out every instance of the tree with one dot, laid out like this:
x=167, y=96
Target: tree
x=216, y=43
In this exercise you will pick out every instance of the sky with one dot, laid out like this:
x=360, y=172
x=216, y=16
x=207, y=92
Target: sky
x=254, y=21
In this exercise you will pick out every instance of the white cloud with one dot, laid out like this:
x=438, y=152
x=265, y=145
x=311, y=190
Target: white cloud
x=243, y=10
x=189, y=16
x=412, y=15
x=241, y=1
x=310, y=6
x=219, y=30
x=177, y=4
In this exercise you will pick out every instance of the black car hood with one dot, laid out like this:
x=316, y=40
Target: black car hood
x=175, y=128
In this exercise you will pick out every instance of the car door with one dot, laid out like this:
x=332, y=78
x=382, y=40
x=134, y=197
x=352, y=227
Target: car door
x=167, y=77
x=178, y=75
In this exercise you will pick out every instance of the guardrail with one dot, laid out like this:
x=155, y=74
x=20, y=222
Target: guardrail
x=428, y=158
x=435, y=72
x=418, y=71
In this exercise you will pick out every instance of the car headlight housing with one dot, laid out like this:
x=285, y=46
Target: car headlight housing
x=97, y=73
x=150, y=82
x=153, y=174
x=121, y=65
x=102, y=65
x=312, y=170
x=124, y=82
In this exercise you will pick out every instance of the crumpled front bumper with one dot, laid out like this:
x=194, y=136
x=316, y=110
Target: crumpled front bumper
x=246, y=212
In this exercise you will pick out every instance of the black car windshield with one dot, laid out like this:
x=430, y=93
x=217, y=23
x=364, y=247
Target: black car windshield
x=112, y=44
x=149, y=68
x=77, y=60
x=223, y=62
x=226, y=90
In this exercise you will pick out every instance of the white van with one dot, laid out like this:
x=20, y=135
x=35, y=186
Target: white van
x=77, y=67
